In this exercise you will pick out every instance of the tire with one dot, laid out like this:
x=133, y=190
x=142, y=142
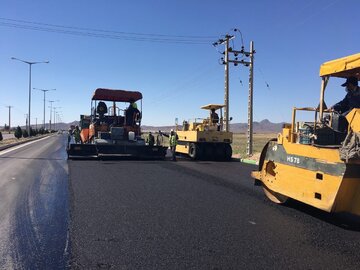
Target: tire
x=209, y=151
x=193, y=151
x=228, y=152
x=219, y=151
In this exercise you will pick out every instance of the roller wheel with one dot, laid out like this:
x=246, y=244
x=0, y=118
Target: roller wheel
x=271, y=176
x=195, y=151
x=275, y=197
x=209, y=151
x=220, y=152
x=228, y=152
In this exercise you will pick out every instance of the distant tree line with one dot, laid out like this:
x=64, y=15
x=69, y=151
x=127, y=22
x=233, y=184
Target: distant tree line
x=33, y=132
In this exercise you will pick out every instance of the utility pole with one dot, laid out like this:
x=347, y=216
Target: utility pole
x=36, y=123
x=225, y=62
x=248, y=63
x=249, y=145
x=9, y=117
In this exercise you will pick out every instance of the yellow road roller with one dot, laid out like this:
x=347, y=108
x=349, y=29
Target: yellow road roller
x=205, y=138
x=317, y=162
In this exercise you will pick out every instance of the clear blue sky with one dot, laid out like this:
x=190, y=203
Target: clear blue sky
x=292, y=38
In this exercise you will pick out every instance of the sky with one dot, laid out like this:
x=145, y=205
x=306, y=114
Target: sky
x=163, y=48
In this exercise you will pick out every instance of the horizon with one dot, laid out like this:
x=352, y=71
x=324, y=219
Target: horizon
x=165, y=51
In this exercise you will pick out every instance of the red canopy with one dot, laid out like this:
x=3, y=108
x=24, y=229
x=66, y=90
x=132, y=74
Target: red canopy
x=116, y=95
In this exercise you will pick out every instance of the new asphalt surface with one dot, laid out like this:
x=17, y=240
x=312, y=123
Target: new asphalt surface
x=128, y=214
x=34, y=205
x=133, y=214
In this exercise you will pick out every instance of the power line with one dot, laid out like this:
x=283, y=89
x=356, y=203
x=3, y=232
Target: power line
x=102, y=30
x=88, y=32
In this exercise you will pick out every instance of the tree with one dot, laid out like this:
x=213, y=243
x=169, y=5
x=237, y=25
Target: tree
x=1, y=137
x=32, y=132
x=18, y=132
x=25, y=133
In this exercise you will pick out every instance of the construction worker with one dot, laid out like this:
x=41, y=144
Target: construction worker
x=77, y=135
x=352, y=98
x=132, y=114
x=150, y=139
x=214, y=117
x=69, y=135
x=173, y=137
x=173, y=142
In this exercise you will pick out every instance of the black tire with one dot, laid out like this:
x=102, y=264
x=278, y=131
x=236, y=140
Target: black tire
x=193, y=150
x=220, y=151
x=228, y=152
x=209, y=151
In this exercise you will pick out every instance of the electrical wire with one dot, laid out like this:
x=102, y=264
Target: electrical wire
x=262, y=75
x=88, y=32
x=105, y=31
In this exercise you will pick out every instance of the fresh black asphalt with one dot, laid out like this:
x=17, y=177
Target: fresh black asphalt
x=34, y=206
x=133, y=214
x=129, y=214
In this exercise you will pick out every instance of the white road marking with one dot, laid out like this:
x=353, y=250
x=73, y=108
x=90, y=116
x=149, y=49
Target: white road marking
x=21, y=145
x=252, y=222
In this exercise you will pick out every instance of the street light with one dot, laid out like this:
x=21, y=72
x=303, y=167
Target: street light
x=44, y=90
x=55, y=116
x=30, y=64
x=51, y=102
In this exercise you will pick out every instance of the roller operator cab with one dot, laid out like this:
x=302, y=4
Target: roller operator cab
x=205, y=138
x=317, y=162
x=113, y=128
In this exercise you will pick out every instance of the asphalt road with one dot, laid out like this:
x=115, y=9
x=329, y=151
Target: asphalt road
x=130, y=214
x=34, y=205
x=195, y=215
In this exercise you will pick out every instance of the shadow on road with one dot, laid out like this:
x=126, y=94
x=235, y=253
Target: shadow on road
x=342, y=220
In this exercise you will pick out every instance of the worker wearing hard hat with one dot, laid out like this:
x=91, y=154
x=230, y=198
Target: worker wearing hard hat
x=173, y=137
x=132, y=114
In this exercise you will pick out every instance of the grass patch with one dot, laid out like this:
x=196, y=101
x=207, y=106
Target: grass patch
x=259, y=141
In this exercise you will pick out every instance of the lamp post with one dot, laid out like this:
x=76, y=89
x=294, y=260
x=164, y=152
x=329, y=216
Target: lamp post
x=30, y=64
x=51, y=102
x=55, y=116
x=26, y=116
x=44, y=90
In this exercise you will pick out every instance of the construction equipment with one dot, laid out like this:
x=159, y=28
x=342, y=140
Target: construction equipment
x=112, y=131
x=205, y=138
x=317, y=162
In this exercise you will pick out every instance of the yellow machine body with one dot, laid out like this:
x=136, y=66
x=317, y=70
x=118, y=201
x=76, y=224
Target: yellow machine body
x=205, y=139
x=305, y=161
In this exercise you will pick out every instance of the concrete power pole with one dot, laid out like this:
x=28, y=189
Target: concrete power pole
x=249, y=63
x=226, y=64
x=249, y=145
x=9, y=117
